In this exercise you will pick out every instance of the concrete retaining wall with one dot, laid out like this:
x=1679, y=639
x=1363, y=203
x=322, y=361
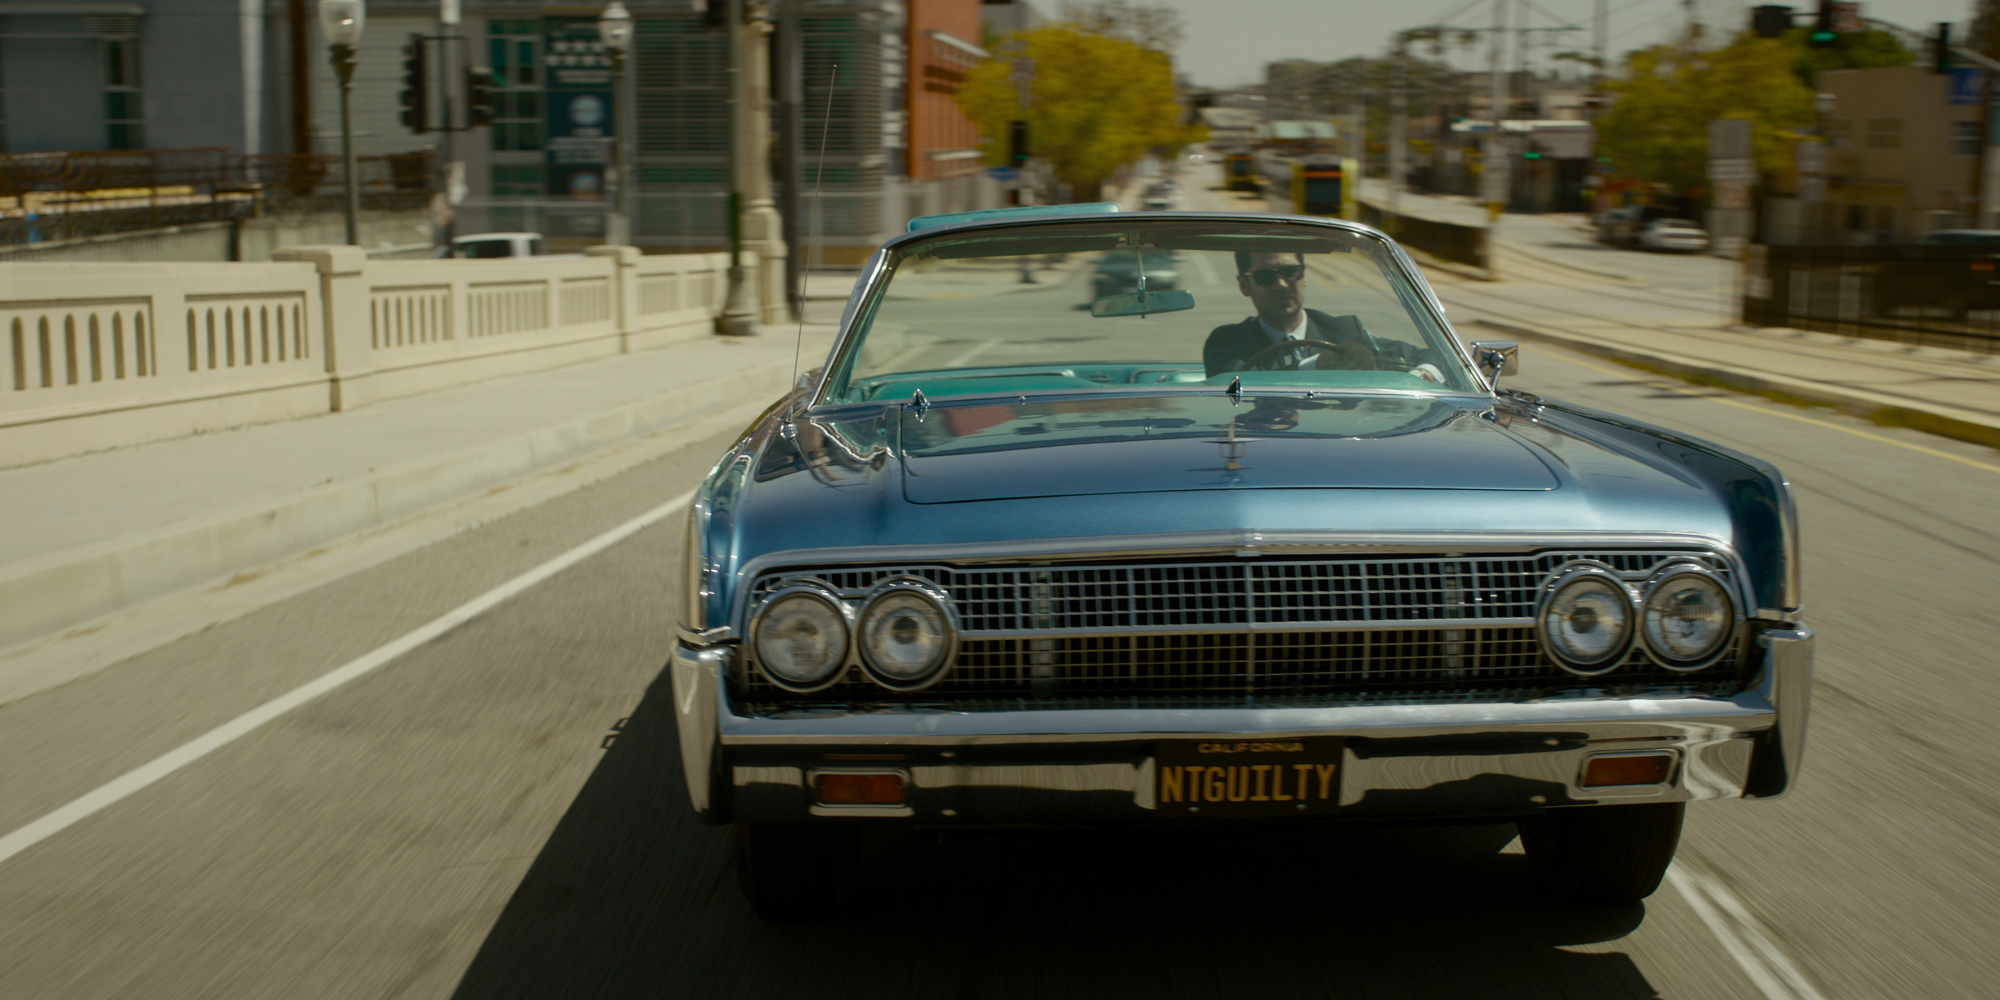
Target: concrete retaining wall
x=100, y=355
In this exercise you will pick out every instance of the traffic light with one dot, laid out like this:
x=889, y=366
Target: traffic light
x=1941, y=48
x=1770, y=20
x=478, y=96
x=416, y=93
x=1823, y=34
x=1017, y=144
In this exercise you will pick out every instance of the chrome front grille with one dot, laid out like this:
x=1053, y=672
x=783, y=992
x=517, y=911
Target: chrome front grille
x=1244, y=628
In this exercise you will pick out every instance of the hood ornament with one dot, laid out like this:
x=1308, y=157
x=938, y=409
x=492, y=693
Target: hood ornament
x=1235, y=390
x=918, y=404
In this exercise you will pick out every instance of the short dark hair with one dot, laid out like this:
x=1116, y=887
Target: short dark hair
x=1243, y=258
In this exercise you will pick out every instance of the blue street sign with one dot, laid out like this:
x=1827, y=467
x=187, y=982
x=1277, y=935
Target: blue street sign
x=1002, y=173
x=1968, y=85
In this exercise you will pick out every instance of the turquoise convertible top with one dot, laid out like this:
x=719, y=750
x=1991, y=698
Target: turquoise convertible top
x=1025, y=212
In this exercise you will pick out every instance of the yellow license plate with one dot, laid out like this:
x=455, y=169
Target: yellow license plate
x=1247, y=777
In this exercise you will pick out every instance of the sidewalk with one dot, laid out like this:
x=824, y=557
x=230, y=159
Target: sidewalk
x=1949, y=393
x=101, y=532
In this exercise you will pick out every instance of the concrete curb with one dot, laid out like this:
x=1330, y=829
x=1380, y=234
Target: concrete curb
x=45, y=595
x=1944, y=421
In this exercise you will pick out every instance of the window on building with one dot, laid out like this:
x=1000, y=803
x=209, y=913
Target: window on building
x=517, y=119
x=124, y=120
x=1965, y=138
x=1885, y=133
x=513, y=50
x=518, y=182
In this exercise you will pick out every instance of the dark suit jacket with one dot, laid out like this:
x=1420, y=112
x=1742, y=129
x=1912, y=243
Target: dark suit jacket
x=1228, y=347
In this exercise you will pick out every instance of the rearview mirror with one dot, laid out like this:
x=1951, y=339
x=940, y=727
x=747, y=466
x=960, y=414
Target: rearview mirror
x=1142, y=302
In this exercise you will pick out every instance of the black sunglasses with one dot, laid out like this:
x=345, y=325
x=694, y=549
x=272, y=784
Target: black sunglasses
x=1270, y=275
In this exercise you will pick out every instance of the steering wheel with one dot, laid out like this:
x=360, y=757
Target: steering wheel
x=1350, y=356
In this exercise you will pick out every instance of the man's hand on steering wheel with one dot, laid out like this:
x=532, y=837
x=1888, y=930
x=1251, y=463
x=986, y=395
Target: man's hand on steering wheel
x=1349, y=356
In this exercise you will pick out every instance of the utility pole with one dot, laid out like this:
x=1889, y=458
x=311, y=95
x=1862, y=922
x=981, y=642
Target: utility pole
x=753, y=219
x=447, y=28
x=1599, y=25
x=791, y=156
x=1397, y=145
x=1357, y=113
x=1493, y=172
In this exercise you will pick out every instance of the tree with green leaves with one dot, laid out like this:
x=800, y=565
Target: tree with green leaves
x=1658, y=129
x=1983, y=34
x=1855, y=50
x=1097, y=104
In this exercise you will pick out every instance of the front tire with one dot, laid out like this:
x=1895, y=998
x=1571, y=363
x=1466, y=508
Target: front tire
x=1603, y=854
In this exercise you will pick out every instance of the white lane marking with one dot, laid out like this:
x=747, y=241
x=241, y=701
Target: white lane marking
x=1742, y=937
x=966, y=358
x=131, y=782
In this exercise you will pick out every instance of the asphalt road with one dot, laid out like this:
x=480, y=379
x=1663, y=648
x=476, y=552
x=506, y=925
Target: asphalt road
x=498, y=811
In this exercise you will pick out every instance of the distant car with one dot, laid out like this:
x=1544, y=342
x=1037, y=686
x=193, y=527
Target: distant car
x=1621, y=226
x=489, y=245
x=1956, y=270
x=1678, y=235
x=1118, y=272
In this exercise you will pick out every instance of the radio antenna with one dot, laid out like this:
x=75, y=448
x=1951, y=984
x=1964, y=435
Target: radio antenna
x=812, y=230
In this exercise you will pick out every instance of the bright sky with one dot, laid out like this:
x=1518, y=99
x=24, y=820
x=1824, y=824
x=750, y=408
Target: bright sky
x=1229, y=41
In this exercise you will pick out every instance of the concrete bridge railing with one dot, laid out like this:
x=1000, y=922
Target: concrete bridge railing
x=96, y=356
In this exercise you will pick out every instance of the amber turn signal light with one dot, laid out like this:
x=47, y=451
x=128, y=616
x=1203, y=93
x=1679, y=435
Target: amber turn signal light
x=1628, y=769
x=877, y=789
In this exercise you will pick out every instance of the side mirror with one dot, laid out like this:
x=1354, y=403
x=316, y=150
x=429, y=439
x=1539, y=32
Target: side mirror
x=1496, y=358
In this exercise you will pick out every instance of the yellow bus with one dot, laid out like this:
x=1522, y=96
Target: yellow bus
x=1324, y=185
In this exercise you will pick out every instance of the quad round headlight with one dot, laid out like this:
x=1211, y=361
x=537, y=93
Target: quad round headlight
x=801, y=639
x=1585, y=622
x=907, y=635
x=1688, y=616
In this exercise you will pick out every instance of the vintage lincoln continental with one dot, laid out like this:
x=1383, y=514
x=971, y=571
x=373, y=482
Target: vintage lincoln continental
x=1270, y=545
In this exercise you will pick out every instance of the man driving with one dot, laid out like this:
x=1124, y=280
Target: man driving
x=1275, y=284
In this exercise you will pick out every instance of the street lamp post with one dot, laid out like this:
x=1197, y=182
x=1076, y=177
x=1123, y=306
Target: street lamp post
x=614, y=29
x=341, y=21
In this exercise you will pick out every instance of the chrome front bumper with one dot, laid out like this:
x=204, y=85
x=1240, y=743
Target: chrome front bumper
x=1407, y=761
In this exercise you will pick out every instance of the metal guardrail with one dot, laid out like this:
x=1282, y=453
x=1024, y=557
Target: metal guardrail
x=1935, y=296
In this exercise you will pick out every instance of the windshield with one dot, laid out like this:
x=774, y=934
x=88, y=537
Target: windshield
x=1061, y=307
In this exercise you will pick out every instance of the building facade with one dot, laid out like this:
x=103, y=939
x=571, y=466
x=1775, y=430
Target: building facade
x=253, y=76
x=1904, y=153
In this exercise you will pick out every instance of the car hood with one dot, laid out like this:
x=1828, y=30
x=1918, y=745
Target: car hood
x=834, y=480
x=1149, y=444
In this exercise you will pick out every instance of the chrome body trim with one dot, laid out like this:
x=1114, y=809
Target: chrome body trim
x=1244, y=544
x=1786, y=684
x=696, y=676
x=1457, y=759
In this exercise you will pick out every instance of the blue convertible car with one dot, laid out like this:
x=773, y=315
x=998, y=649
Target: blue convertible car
x=1269, y=545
